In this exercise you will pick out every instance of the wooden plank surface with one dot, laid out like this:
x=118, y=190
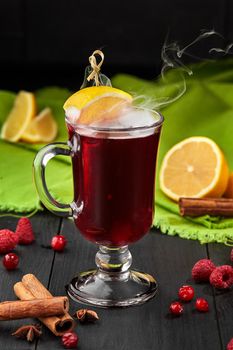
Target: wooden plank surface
x=149, y=326
x=220, y=255
x=146, y=327
x=33, y=259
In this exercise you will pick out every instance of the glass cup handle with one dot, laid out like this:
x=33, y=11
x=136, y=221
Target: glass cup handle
x=41, y=160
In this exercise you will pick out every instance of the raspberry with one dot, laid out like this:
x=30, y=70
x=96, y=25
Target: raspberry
x=186, y=293
x=222, y=277
x=8, y=241
x=10, y=261
x=58, y=243
x=230, y=345
x=202, y=269
x=24, y=231
x=202, y=305
x=70, y=340
x=176, y=308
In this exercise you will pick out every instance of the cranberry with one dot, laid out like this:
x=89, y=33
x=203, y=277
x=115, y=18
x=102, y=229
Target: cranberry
x=58, y=243
x=230, y=345
x=202, y=305
x=176, y=308
x=186, y=293
x=70, y=340
x=10, y=261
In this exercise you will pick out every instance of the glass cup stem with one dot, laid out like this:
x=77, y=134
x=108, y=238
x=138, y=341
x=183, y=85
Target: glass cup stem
x=113, y=263
x=113, y=283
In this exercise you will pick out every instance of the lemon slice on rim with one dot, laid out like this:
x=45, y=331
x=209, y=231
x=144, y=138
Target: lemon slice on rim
x=195, y=167
x=97, y=103
x=21, y=114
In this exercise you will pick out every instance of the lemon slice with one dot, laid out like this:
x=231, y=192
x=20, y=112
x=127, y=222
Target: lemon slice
x=195, y=167
x=97, y=103
x=21, y=114
x=42, y=128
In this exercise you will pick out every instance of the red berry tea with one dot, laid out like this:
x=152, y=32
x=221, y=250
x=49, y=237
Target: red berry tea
x=114, y=182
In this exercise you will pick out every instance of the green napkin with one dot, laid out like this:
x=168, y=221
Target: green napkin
x=206, y=109
x=17, y=190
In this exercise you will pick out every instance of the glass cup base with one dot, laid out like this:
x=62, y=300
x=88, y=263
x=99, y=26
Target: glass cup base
x=104, y=289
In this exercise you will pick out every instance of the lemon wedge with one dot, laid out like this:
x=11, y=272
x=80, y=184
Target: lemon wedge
x=22, y=112
x=43, y=128
x=97, y=103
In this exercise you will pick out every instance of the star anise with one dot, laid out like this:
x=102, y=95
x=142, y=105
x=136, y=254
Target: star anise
x=29, y=332
x=85, y=315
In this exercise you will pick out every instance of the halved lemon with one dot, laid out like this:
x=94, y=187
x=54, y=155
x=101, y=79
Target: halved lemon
x=21, y=114
x=97, y=103
x=195, y=167
x=42, y=128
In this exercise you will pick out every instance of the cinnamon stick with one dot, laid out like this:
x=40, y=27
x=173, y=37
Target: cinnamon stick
x=35, y=286
x=13, y=310
x=206, y=206
x=31, y=288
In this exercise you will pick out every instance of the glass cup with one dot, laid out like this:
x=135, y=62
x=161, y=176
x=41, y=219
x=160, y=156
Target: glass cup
x=114, y=180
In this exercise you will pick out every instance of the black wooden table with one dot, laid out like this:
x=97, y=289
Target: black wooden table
x=147, y=327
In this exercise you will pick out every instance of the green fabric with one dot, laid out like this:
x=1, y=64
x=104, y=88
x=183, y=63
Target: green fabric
x=17, y=191
x=206, y=109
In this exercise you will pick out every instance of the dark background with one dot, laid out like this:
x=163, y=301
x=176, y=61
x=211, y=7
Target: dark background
x=48, y=42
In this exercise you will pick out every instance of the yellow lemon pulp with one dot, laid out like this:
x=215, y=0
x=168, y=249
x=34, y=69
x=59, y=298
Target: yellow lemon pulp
x=19, y=117
x=98, y=103
x=195, y=167
x=42, y=128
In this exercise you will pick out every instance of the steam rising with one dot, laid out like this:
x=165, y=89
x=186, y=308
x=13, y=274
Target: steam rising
x=169, y=88
x=172, y=58
x=225, y=51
